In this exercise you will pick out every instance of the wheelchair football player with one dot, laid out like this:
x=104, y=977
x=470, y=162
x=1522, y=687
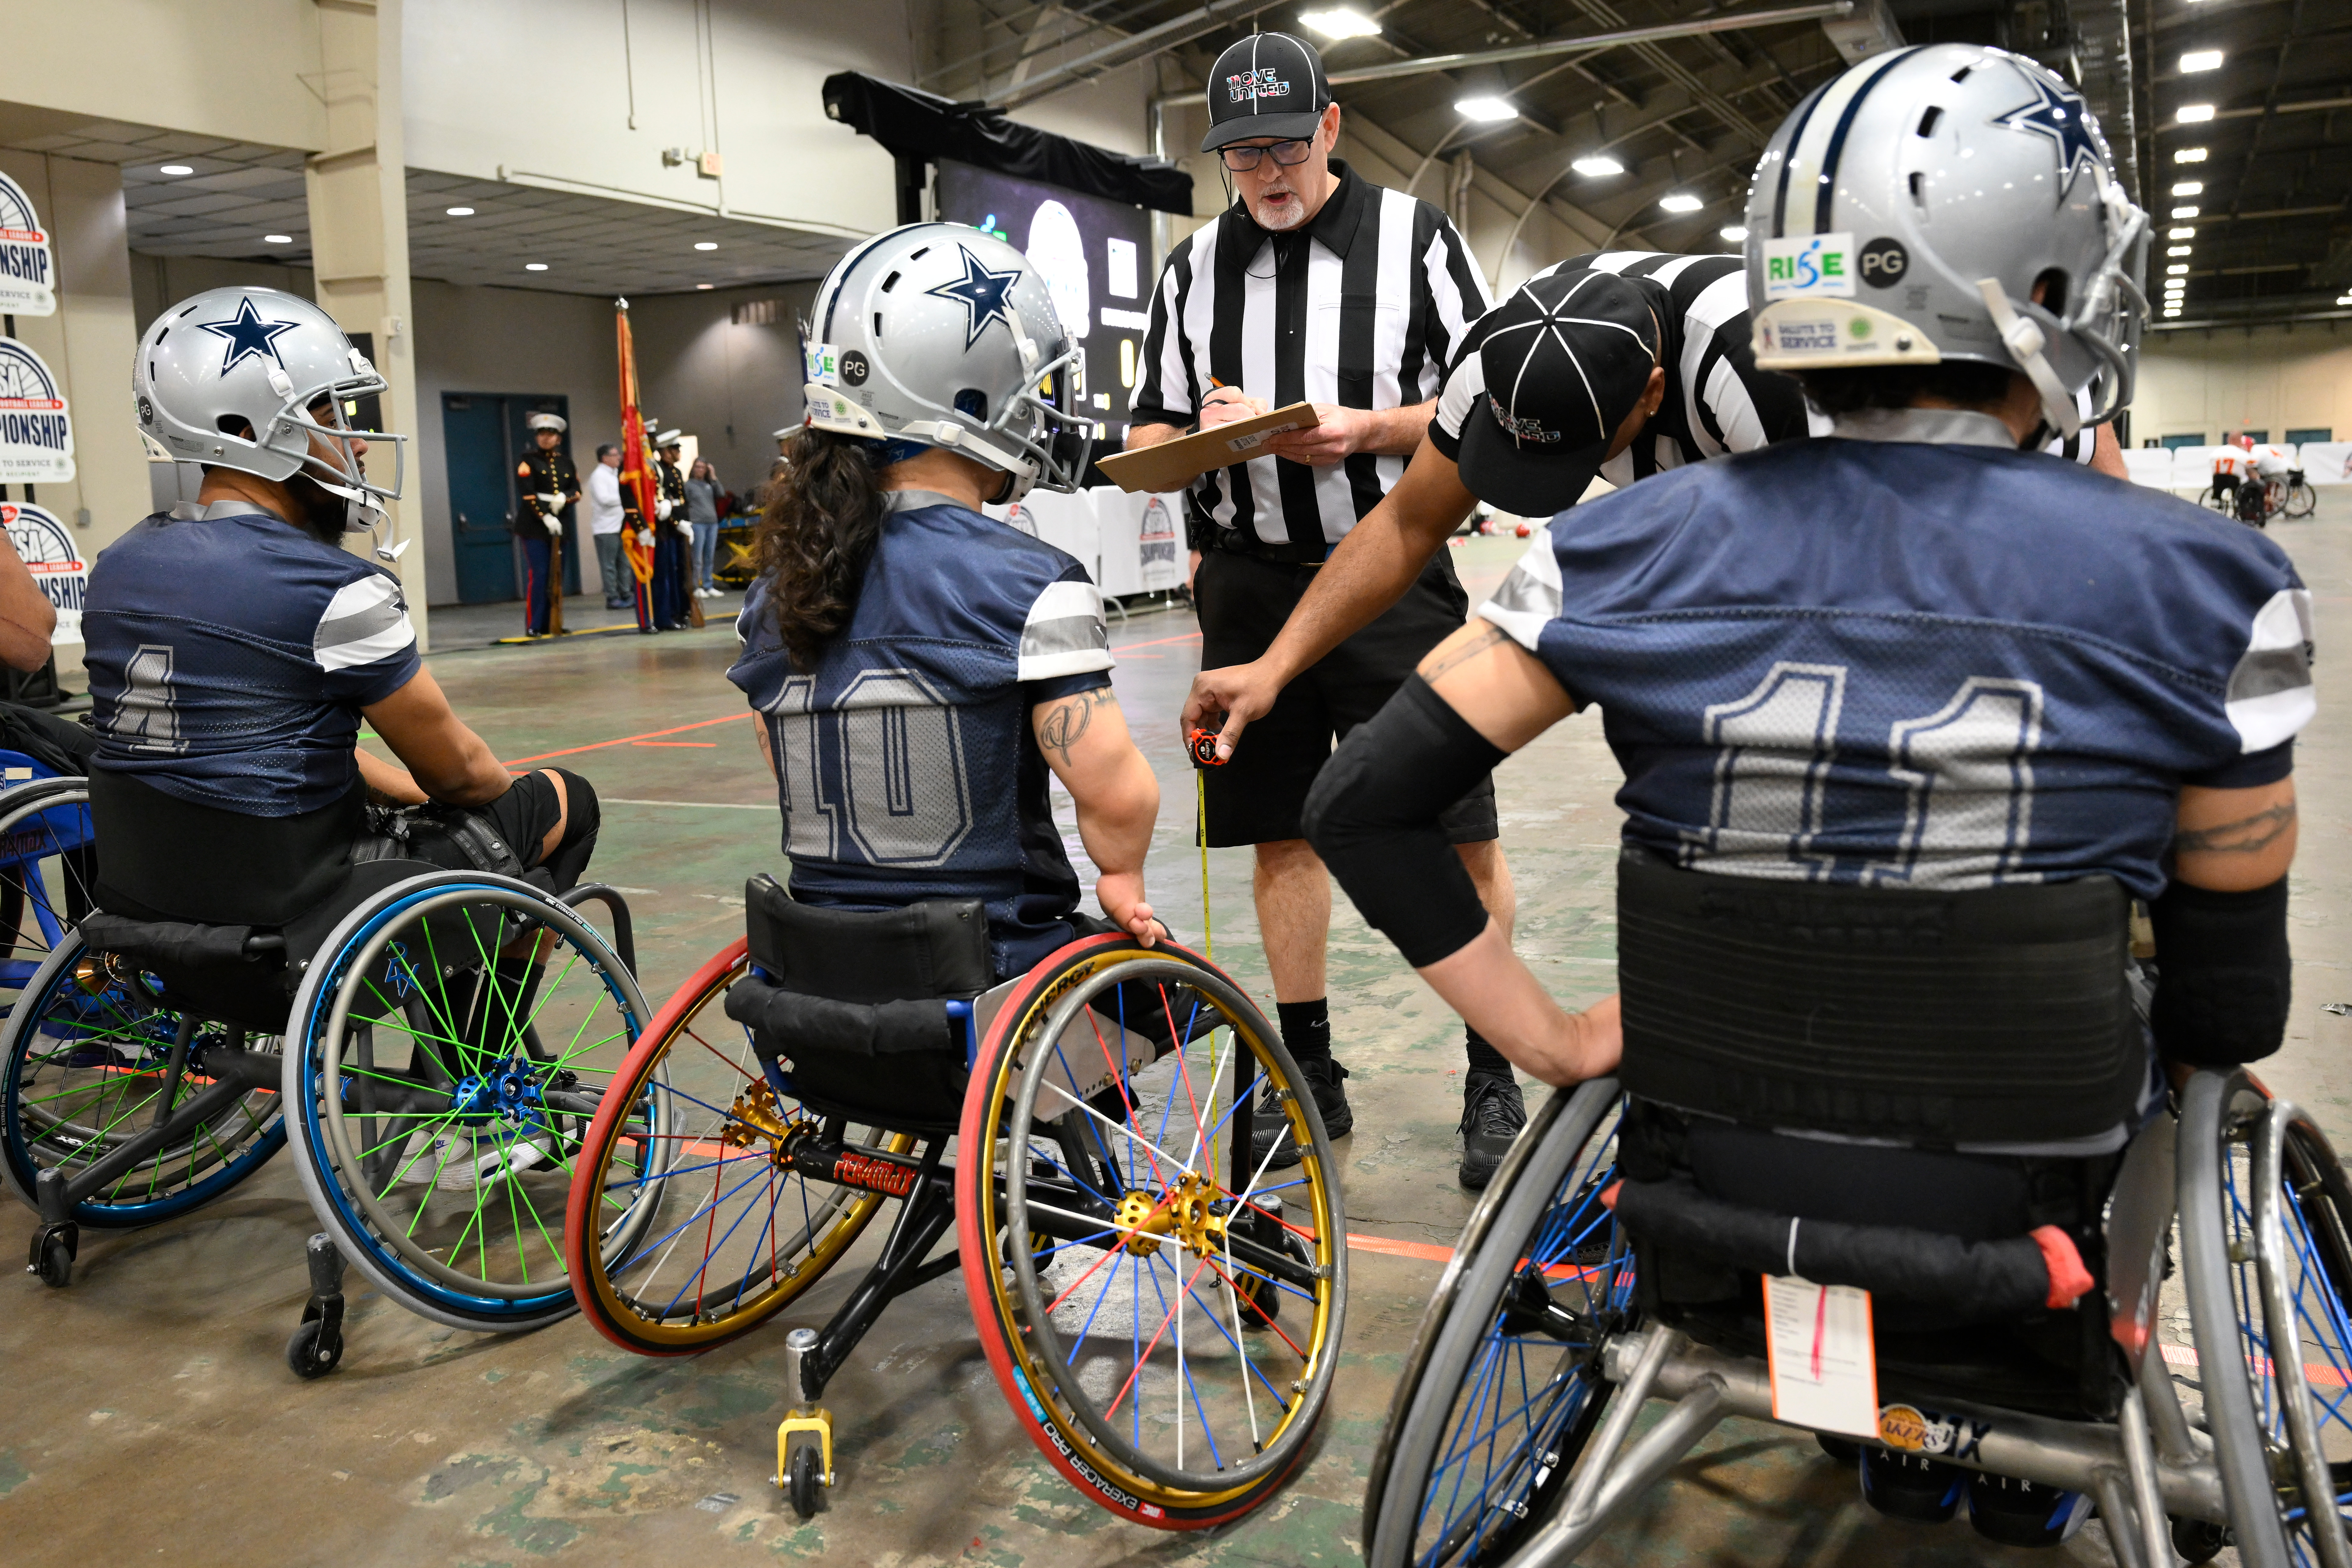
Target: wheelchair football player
x=1884, y=1138
x=1162, y=1315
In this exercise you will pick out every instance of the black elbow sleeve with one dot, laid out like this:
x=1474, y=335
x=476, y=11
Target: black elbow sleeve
x=2224, y=975
x=1372, y=817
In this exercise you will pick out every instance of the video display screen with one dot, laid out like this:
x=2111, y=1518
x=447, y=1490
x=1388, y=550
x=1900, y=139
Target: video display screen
x=1095, y=256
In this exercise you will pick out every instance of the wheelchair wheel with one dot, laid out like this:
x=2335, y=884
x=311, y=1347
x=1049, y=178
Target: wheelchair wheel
x=2268, y=1288
x=1111, y=1231
x=2302, y=501
x=1502, y=1387
x=87, y=1065
x=448, y=1048
x=688, y=1228
x=46, y=866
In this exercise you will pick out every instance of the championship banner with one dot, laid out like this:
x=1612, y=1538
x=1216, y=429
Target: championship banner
x=36, y=435
x=28, y=270
x=636, y=467
x=50, y=555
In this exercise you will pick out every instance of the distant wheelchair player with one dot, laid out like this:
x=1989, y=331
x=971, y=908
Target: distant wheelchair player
x=1910, y=716
x=924, y=676
x=247, y=846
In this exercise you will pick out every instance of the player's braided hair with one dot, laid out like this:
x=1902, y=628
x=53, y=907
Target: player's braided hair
x=816, y=535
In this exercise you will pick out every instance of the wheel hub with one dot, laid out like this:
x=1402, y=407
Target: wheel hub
x=1187, y=1212
x=507, y=1091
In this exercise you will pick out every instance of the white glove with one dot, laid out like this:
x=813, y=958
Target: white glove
x=663, y=508
x=554, y=523
x=645, y=537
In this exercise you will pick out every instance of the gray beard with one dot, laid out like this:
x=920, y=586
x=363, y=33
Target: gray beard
x=1293, y=214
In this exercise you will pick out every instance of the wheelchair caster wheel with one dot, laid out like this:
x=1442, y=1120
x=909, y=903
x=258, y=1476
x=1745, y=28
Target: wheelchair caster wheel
x=2198, y=1540
x=805, y=1481
x=1843, y=1450
x=55, y=1248
x=316, y=1349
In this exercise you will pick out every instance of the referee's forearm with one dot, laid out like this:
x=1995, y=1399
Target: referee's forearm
x=1139, y=437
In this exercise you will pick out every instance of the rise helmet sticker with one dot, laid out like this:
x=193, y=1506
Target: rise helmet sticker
x=1809, y=264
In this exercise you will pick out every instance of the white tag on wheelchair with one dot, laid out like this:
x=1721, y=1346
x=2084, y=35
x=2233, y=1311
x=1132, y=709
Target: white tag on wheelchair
x=1824, y=1364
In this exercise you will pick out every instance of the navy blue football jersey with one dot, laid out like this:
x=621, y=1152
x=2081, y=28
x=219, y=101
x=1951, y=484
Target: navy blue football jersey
x=1916, y=656
x=229, y=656
x=906, y=766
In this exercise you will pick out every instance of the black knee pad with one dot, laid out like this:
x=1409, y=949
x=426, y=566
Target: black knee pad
x=582, y=819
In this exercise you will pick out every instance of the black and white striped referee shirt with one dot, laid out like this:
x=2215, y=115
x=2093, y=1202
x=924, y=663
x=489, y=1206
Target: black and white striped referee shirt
x=1717, y=402
x=1363, y=306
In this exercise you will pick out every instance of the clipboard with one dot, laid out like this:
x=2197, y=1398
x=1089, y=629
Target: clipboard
x=1172, y=465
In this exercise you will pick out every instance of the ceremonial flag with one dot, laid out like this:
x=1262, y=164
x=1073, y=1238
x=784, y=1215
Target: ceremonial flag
x=636, y=459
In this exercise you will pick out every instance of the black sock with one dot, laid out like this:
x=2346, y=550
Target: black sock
x=1305, y=1027
x=1483, y=1057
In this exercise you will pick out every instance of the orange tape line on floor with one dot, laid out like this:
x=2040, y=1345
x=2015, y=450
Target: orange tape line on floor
x=2313, y=1372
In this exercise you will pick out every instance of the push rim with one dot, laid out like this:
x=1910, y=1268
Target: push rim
x=88, y=1048
x=47, y=866
x=675, y=1286
x=1171, y=1132
x=499, y=1112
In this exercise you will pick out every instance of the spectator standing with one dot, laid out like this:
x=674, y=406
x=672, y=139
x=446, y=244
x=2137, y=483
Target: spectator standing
x=608, y=510
x=702, y=493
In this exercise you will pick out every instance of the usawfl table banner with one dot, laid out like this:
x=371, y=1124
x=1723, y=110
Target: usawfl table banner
x=36, y=435
x=28, y=271
x=51, y=556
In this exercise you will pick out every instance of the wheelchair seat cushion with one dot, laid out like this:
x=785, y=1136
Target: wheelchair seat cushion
x=1989, y=1015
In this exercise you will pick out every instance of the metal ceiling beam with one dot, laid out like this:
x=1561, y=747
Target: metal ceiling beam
x=1592, y=43
x=1168, y=34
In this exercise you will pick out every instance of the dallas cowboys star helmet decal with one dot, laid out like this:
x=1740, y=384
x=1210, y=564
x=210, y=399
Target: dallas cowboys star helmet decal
x=249, y=337
x=2059, y=113
x=982, y=293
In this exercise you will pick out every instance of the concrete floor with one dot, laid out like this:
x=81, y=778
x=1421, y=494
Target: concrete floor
x=149, y=1412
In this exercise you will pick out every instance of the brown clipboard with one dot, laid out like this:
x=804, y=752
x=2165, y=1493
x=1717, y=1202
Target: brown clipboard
x=1172, y=465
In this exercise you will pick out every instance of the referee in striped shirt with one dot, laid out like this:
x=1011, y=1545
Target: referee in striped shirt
x=1316, y=286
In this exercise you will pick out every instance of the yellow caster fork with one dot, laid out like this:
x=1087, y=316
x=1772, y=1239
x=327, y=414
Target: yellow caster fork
x=804, y=1469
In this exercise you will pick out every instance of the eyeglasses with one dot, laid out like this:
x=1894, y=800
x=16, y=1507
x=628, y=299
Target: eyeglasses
x=1287, y=154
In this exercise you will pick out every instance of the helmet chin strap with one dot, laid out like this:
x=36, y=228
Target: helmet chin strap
x=2024, y=340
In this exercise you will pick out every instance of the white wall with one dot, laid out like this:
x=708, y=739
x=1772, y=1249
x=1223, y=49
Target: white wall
x=231, y=68
x=2295, y=376
x=731, y=387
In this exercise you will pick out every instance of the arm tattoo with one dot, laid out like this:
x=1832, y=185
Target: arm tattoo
x=1466, y=652
x=2247, y=836
x=1066, y=722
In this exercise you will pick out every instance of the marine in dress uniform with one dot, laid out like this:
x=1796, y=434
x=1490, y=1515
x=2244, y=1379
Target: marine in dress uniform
x=672, y=537
x=546, y=487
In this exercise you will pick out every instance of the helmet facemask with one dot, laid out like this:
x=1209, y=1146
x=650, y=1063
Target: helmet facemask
x=344, y=475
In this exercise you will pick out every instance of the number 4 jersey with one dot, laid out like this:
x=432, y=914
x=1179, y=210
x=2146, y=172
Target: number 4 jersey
x=1916, y=656
x=904, y=760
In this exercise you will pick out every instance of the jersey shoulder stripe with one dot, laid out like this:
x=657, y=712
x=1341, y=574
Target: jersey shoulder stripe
x=365, y=621
x=1065, y=633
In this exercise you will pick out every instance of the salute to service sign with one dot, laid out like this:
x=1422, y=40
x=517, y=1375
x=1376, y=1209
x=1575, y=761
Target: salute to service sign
x=50, y=555
x=27, y=272
x=36, y=435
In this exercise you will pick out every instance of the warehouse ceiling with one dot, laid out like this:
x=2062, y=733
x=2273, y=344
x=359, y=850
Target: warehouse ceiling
x=1688, y=116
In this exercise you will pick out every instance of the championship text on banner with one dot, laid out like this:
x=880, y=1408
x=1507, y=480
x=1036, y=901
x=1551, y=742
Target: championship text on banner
x=50, y=555
x=36, y=437
x=28, y=269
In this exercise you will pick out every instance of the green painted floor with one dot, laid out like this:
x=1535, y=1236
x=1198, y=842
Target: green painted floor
x=149, y=1412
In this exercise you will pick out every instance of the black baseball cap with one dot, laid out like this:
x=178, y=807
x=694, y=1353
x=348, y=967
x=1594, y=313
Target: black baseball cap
x=1565, y=358
x=1269, y=84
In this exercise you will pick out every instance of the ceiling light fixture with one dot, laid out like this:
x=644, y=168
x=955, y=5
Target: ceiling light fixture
x=2189, y=155
x=277, y=239
x=2194, y=113
x=1681, y=202
x=1600, y=165
x=1339, y=21
x=2188, y=188
x=2180, y=234
x=1485, y=109
x=459, y=212
x=2180, y=251
x=2185, y=212
x=175, y=169
x=2197, y=60
x=1736, y=233
x=2176, y=269
x=534, y=267
x=706, y=285
x=706, y=245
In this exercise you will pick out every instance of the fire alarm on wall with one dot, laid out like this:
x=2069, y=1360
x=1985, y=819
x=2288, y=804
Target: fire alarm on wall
x=711, y=166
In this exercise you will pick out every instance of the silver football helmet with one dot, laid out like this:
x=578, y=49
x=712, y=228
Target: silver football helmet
x=939, y=334
x=261, y=357
x=1905, y=212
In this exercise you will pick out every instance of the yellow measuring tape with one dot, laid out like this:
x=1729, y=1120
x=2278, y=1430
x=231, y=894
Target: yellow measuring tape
x=1200, y=796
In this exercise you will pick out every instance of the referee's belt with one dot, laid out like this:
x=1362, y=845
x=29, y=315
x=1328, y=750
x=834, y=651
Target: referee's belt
x=1233, y=541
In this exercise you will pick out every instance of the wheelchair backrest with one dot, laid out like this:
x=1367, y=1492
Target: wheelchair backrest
x=159, y=856
x=935, y=948
x=1998, y=1015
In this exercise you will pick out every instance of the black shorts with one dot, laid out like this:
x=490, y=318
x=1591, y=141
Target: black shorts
x=1256, y=797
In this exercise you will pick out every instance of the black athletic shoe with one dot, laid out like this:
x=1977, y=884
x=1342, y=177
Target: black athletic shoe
x=1911, y=1485
x=2024, y=1513
x=1267, y=1124
x=1492, y=1114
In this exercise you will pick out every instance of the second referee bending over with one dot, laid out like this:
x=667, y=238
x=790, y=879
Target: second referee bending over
x=1315, y=286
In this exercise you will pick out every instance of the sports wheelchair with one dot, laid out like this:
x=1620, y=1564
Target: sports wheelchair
x=433, y=1040
x=1163, y=1319
x=1621, y=1253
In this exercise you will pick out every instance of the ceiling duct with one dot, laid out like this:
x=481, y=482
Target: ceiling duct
x=2103, y=44
x=1868, y=29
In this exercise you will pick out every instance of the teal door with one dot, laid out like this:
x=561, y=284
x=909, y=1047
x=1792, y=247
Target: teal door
x=483, y=439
